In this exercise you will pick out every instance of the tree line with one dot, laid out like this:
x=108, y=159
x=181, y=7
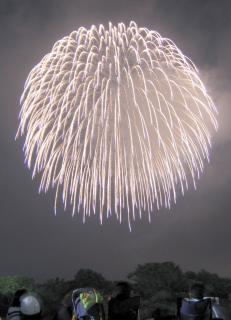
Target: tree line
x=158, y=284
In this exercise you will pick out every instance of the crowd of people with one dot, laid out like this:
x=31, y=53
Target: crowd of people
x=89, y=304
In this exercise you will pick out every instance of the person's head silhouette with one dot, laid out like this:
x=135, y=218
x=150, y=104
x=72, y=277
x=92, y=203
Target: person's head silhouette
x=124, y=289
x=197, y=291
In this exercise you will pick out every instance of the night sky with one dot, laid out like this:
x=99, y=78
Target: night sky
x=196, y=233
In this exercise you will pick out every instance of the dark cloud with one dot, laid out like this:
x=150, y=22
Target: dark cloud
x=195, y=233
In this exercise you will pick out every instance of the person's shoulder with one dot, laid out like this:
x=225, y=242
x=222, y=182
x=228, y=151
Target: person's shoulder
x=13, y=309
x=14, y=313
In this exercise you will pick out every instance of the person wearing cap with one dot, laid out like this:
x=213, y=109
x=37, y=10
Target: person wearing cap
x=30, y=306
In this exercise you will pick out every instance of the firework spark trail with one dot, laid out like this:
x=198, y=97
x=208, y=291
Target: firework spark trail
x=116, y=118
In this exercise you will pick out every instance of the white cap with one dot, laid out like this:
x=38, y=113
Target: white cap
x=30, y=305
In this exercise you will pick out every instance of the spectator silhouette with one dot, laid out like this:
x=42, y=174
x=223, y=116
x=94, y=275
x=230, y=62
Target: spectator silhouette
x=31, y=307
x=65, y=310
x=122, y=306
x=14, y=311
x=156, y=314
x=196, y=307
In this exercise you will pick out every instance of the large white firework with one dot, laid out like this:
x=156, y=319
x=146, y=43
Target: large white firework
x=116, y=119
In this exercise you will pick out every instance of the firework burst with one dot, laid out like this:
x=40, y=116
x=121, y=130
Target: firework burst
x=116, y=118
